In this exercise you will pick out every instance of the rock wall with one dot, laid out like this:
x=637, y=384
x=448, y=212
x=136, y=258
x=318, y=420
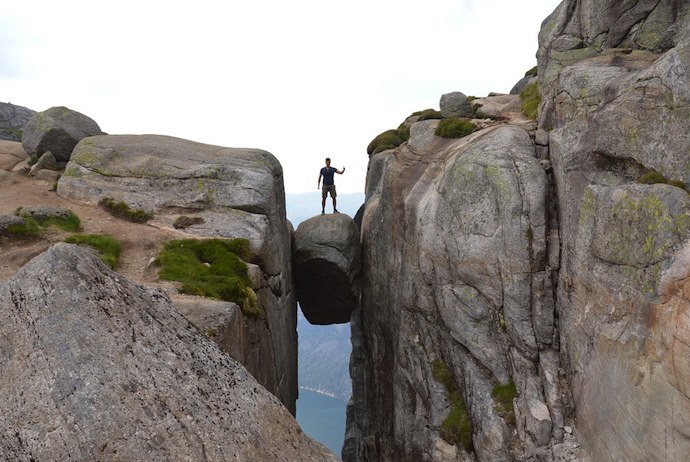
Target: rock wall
x=456, y=277
x=542, y=256
x=616, y=105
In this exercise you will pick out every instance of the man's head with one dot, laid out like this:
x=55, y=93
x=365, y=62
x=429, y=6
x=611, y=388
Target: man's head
x=328, y=161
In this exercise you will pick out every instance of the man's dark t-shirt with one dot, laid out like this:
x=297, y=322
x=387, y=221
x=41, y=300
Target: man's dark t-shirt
x=327, y=173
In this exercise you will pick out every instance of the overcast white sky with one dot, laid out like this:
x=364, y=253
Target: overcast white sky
x=303, y=79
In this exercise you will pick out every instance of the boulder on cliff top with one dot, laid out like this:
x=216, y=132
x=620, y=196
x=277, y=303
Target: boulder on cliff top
x=455, y=104
x=95, y=367
x=327, y=268
x=57, y=130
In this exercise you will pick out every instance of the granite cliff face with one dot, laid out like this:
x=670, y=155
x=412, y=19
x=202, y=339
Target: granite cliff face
x=616, y=104
x=538, y=256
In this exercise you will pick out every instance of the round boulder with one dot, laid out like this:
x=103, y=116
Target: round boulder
x=57, y=130
x=455, y=104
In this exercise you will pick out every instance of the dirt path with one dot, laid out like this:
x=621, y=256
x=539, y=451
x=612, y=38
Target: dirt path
x=140, y=242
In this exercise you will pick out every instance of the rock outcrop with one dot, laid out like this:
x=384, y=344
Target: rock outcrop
x=95, y=367
x=57, y=130
x=616, y=105
x=234, y=193
x=13, y=118
x=538, y=257
x=327, y=267
x=456, y=276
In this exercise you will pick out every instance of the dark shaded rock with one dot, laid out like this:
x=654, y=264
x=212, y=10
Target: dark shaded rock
x=95, y=367
x=57, y=130
x=327, y=268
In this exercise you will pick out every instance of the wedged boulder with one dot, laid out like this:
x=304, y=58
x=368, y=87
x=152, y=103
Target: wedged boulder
x=57, y=130
x=327, y=267
x=95, y=367
x=11, y=153
x=13, y=118
x=230, y=193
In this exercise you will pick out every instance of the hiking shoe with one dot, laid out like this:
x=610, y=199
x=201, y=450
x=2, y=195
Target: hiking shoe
x=322, y=212
x=335, y=211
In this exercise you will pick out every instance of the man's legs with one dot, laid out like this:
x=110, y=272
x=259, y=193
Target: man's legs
x=335, y=210
x=323, y=204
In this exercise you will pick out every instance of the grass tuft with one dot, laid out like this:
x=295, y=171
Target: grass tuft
x=212, y=268
x=107, y=246
x=454, y=128
x=457, y=427
x=503, y=401
x=530, y=100
x=122, y=210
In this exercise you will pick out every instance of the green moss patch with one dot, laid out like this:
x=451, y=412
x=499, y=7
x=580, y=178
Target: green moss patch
x=427, y=114
x=389, y=139
x=454, y=128
x=108, y=247
x=457, y=427
x=212, y=268
x=503, y=401
x=655, y=177
x=122, y=210
x=530, y=100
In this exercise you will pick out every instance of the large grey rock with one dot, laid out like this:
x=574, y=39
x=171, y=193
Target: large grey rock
x=455, y=104
x=57, y=130
x=455, y=271
x=612, y=115
x=236, y=193
x=95, y=367
x=13, y=118
x=327, y=268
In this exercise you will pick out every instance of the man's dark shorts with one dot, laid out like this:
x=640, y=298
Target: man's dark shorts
x=326, y=188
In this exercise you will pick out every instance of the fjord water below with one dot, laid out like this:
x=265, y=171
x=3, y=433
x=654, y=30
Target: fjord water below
x=322, y=418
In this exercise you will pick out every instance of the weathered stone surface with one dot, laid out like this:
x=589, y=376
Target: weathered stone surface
x=44, y=212
x=498, y=106
x=95, y=367
x=327, y=268
x=455, y=104
x=454, y=270
x=12, y=121
x=57, y=130
x=612, y=115
x=237, y=193
x=11, y=153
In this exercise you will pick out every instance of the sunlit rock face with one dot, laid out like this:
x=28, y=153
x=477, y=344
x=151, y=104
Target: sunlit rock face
x=615, y=83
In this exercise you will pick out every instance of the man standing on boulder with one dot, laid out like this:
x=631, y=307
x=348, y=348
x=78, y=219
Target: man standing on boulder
x=327, y=173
